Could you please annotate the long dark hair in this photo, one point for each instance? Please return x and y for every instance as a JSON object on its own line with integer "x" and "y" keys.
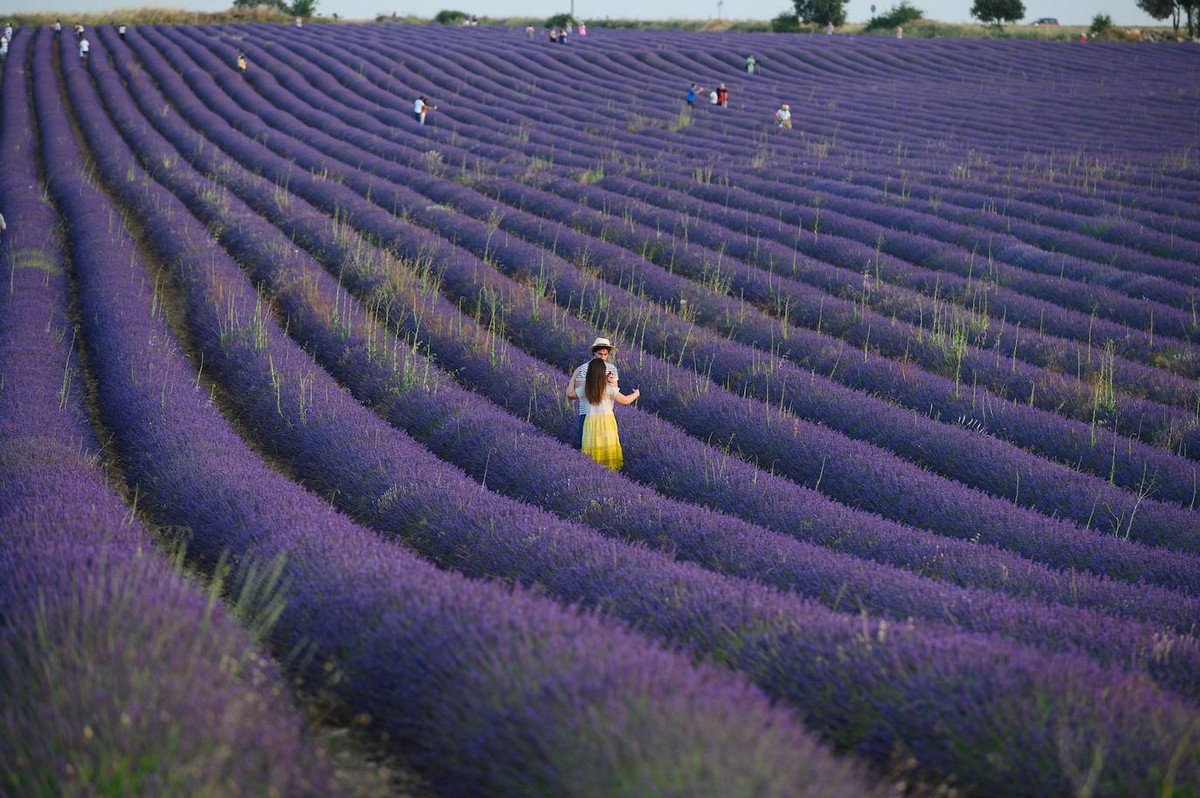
{"x": 596, "y": 382}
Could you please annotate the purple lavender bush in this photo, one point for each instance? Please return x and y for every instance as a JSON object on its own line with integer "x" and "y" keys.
{"x": 119, "y": 674}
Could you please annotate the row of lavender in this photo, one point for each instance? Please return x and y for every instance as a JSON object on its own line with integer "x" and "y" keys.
{"x": 495, "y": 690}
{"x": 328, "y": 438}
{"x": 113, "y": 666}
{"x": 486, "y": 241}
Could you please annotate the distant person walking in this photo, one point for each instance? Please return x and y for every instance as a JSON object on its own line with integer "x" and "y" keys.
{"x": 602, "y": 348}
{"x": 121, "y": 31}
{"x": 57, "y": 28}
{"x": 692, "y": 91}
{"x": 899, "y": 31}
{"x": 242, "y": 63}
{"x": 829, "y": 28}
{"x": 421, "y": 107}
{"x": 85, "y": 47}
{"x": 783, "y": 117}
{"x": 751, "y": 64}
{"x": 601, "y": 442}
{"x": 583, "y": 29}
{"x": 722, "y": 96}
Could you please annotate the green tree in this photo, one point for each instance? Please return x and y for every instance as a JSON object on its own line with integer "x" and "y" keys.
{"x": 1174, "y": 9}
{"x": 785, "y": 22}
{"x": 821, "y": 12}
{"x": 902, "y": 14}
{"x": 997, "y": 12}
{"x": 450, "y": 17}
{"x": 304, "y": 8}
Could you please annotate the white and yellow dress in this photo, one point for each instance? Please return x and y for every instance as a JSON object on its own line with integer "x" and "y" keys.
{"x": 600, "y": 439}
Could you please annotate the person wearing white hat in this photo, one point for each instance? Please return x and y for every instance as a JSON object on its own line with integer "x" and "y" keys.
{"x": 603, "y": 349}
{"x": 783, "y": 117}
{"x": 601, "y": 441}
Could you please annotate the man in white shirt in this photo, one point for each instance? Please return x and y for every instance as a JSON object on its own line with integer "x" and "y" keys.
{"x": 601, "y": 348}
{"x": 421, "y": 107}
{"x": 84, "y": 48}
{"x": 783, "y": 117}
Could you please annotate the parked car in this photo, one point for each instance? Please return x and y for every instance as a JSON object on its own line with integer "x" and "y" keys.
{"x": 1045, "y": 21}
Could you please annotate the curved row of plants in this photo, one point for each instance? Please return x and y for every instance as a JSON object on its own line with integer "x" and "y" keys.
{"x": 113, "y": 665}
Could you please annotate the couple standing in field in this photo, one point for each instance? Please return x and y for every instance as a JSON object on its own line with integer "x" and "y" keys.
{"x": 594, "y": 385}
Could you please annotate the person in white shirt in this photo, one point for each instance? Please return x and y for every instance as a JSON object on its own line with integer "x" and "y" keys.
{"x": 783, "y": 117}
{"x": 601, "y": 442}
{"x": 601, "y": 348}
{"x": 421, "y": 107}
{"x": 84, "y": 48}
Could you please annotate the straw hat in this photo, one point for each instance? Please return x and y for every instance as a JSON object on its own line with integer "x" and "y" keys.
{"x": 602, "y": 343}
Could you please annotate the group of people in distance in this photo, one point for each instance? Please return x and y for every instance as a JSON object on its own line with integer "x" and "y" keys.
{"x": 595, "y": 387}
{"x": 720, "y": 97}
{"x": 557, "y": 34}
{"x": 85, "y": 46}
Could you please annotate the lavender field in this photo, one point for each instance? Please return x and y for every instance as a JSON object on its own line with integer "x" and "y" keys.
{"x": 911, "y": 497}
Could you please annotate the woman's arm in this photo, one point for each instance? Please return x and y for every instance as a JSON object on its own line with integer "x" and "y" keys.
{"x": 627, "y": 399}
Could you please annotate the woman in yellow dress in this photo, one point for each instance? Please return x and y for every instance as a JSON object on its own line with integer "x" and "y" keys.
{"x": 600, "y": 391}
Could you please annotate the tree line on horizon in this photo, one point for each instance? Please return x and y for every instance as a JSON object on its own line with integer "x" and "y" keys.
{"x": 988, "y": 12}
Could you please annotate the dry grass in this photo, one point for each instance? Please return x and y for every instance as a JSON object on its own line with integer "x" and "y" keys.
{"x": 150, "y": 16}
